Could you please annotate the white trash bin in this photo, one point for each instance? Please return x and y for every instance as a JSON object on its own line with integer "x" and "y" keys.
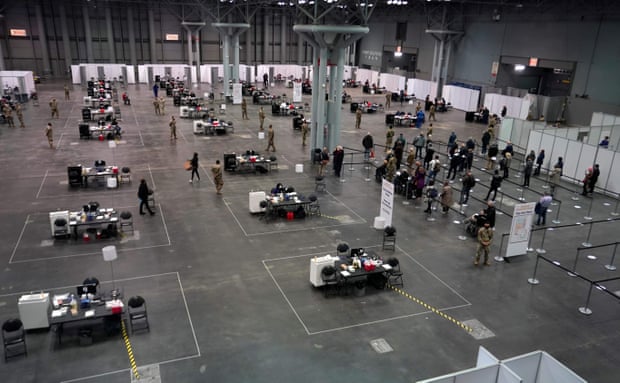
{"x": 299, "y": 168}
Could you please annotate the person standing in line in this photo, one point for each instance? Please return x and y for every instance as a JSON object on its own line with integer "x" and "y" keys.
{"x": 446, "y": 197}
{"x": 398, "y": 153}
{"x": 431, "y": 196}
{"x": 265, "y": 80}
{"x": 496, "y": 183}
{"x": 143, "y": 195}
{"x": 418, "y": 143}
{"x": 586, "y": 181}
{"x": 485, "y": 238}
{"x": 67, "y": 93}
{"x": 261, "y": 118}
{"x": 162, "y": 105}
{"x": 410, "y": 158}
{"x": 542, "y": 206}
{"x": 20, "y": 115}
{"x": 596, "y": 172}
{"x": 492, "y": 156}
{"x": 244, "y": 109}
{"x": 368, "y": 144}
{"x": 49, "y": 133}
{"x": 451, "y": 140}
{"x": 54, "y": 108}
{"x": 270, "y": 139}
{"x": 173, "y": 128}
{"x": 527, "y": 173}
{"x": 429, "y": 155}
{"x": 504, "y": 111}
{"x": 218, "y": 177}
{"x": 390, "y": 169}
{"x": 155, "y": 90}
{"x": 358, "y": 118}
{"x": 324, "y": 161}
{"x": 304, "y": 132}
{"x": 338, "y": 160}
{"x": 389, "y": 135}
{"x": 539, "y": 161}
{"x": 486, "y": 139}
{"x": 468, "y": 183}
{"x": 435, "y": 167}
{"x": 455, "y": 161}
{"x": 401, "y": 97}
{"x": 504, "y": 164}
{"x": 388, "y": 100}
{"x": 194, "y": 163}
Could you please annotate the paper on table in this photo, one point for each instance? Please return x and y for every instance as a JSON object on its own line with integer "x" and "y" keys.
{"x": 345, "y": 273}
{"x": 386, "y": 266}
{"x": 89, "y": 313}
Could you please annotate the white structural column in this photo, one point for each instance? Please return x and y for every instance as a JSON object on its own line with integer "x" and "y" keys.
{"x": 329, "y": 43}
{"x": 193, "y": 34}
{"x": 266, "y": 56}
{"x": 88, "y": 38}
{"x": 45, "y": 56}
{"x": 283, "y": 31}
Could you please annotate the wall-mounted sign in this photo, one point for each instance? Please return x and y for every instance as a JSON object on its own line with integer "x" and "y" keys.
{"x": 494, "y": 68}
{"x": 172, "y": 37}
{"x": 533, "y": 61}
{"x": 371, "y": 55}
{"x": 18, "y": 32}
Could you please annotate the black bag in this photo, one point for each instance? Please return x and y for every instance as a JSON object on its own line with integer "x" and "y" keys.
{"x": 538, "y": 208}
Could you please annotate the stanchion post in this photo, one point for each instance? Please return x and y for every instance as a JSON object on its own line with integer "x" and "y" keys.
{"x": 367, "y": 167}
{"x": 541, "y": 249}
{"x": 611, "y": 266}
{"x": 351, "y": 168}
{"x": 499, "y": 257}
{"x": 585, "y": 310}
{"x": 522, "y": 193}
{"x": 556, "y": 221}
{"x": 587, "y": 241}
{"x": 406, "y": 201}
{"x": 575, "y": 193}
{"x": 615, "y": 212}
{"x": 572, "y": 274}
{"x": 589, "y": 215}
{"x": 533, "y": 280}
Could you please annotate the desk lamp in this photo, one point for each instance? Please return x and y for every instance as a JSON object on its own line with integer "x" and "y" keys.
{"x": 109, "y": 255}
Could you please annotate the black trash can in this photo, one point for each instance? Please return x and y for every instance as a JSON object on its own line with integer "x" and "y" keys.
{"x": 389, "y": 119}
{"x": 157, "y": 78}
{"x": 469, "y": 116}
{"x": 86, "y": 116}
{"x": 354, "y": 106}
{"x": 297, "y": 122}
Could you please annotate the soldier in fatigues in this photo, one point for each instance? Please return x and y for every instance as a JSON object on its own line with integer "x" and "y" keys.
{"x": 216, "y": 170}
{"x": 270, "y": 139}
{"x": 388, "y": 138}
{"x": 485, "y": 237}
{"x": 244, "y": 110}
{"x": 54, "y": 107}
{"x": 304, "y": 132}
{"x": 261, "y": 117}
{"x": 173, "y": 128}
{"x": 358, "y": 118}
{"x": 20, "y": 115}
{"x": 49, "y": 133}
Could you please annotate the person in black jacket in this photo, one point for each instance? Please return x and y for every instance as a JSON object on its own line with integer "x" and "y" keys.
{"x": 338, "y": 159}
{"x": 143, "y": 195}
{"x": 367, "y": 143}
{"x": 194, "y": 162}
{"x": 496, "y": 182}
{"x": 468, "y": 183}
{"x": 527, "y": 172}
{"x": 486, "y": 139}
{"x": 489, "y": 213}
{"x": 492, "y": 156}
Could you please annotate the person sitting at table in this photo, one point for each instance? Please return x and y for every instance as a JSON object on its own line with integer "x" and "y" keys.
{"x": 116, "y": 128}
{"x": 279, "y": 188}
{"x": 100, "y": 165}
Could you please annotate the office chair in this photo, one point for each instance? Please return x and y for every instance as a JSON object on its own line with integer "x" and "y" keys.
{"x": 314, "y": 208}
{"x": 343, "y": 249}
{"x": 91, "y": 281}
{"x": 331, "y": 281}
{"x": 14, "y": 339}
{"x": 389, "y": 238}
{"x": 126, "y": 221}
{"x": 273, "y": 162}
{"x": 138, "y": 318}
{"x": 125, "y": 175}
{"x": 394, "y": 275}
{"x": 320, "y": 184}
{"x": 61, "y": 228}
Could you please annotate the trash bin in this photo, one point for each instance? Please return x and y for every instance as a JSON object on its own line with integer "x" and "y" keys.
{"x": 359, "y": 288}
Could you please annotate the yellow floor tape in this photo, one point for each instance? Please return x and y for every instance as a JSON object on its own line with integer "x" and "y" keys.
{"x": 132, "y": 360}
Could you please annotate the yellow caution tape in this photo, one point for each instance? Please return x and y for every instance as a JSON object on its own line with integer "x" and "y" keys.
{"x": 132, "y": 360}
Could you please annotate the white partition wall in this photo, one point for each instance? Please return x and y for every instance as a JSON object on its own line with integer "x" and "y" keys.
{"x": 392, "y": 82}
{"x": 421, "y": 88}
{"x": 535, "y": 367}
{"x": 279, "y": 69}
{"x": 110, "y": 71}
{"x": 24, "y": 80}
{"x": 176, "y": 71}
{"x": 364, "y": 75}
{"x": 461, "y": 98}
{"x": 514, "y": 105}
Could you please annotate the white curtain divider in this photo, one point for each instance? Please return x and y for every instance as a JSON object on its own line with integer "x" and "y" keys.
{"x": 461, "y": 98}
{"x": 364, "y": 75}
{"x": 392, "y": 82}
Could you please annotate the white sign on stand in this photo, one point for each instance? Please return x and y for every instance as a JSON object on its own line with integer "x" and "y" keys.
{"x": 387, "y": 202}
{"x": 296, "y": 92}
{"x": 520, "y": 229}
{"x": 237, "y": 96}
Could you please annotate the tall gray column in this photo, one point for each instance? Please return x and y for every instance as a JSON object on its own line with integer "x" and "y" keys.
{"x": 110, "y": 33}
{"x": 197, "y": 53}
{"x": 248, "y": 47}
{"x": 266, "y": 29}
{"x": 190, "y": 53}
{"x": 152, "y": 39}
{"x": 88, "y": 37}
{"x": 335, "y": 110}
{"x": 45, "y": 56}
{"x": 66, "y": 41}
{"x": 283, "y": 50}
{"x": 131, "y": 36}
{"x": 235, "y": 73}
{"x": 300, "y": 49}
{"x": 2, "y": 66}
{"x": 229, "y": 32}
{"x": 226, "y": 64}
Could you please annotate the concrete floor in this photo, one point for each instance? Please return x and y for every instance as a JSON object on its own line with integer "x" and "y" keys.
{"x": 228, "y": 295}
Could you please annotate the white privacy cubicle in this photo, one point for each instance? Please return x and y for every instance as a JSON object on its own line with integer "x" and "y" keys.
{"x": 392, "y": 82}
{"x": 534, "y": 367}
{"x": 97, "y": 71}
{"x": 363, "y": 75}
{"x": 461, "y": 98}
{"x": 24, "y": 80}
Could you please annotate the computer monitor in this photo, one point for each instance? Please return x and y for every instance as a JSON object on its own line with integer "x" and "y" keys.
{"x": 357, "y": 252}
{"x": 87, "y": 289}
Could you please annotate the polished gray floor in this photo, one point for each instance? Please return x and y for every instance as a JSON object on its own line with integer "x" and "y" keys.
{"x": 228, "y": 294}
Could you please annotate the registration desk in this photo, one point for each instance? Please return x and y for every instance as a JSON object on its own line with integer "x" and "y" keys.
{"x": 353, "y": 273}
{"x": 288, "y": 205}
{"x": 100, "y": 219}
{"x": 254, "y": 163}
{"x": 104, "y": 176}
{"x": 213, "y": 127}
{"x": 84, "y": 314}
